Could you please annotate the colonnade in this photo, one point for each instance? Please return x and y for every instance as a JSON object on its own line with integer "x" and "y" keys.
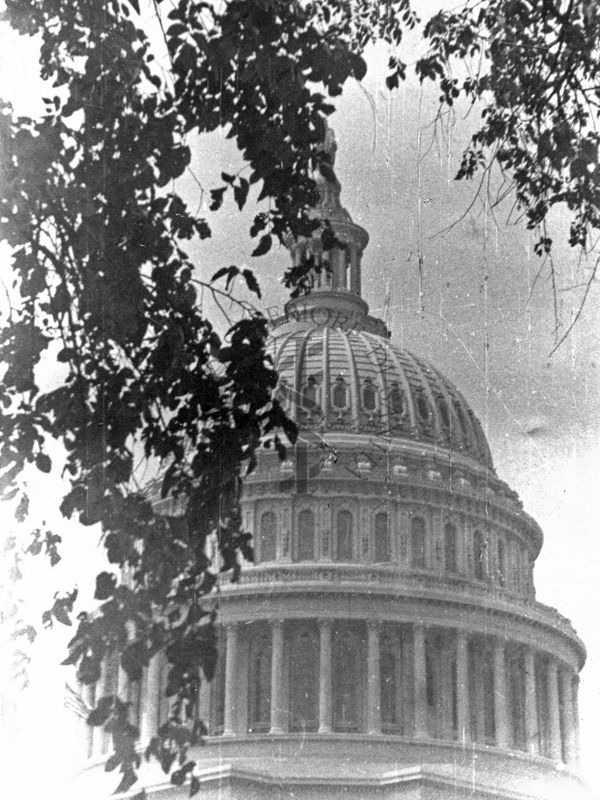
{"x": 462, "y": 696}
{"x": 548, "y": 711}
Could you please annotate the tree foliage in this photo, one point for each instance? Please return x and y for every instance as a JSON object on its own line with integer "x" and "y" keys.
{"x": 532, "y": 70}
{"x": 106, "y": 287}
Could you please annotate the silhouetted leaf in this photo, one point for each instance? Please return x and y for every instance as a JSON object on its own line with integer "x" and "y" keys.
{"x": 264, "y": 245}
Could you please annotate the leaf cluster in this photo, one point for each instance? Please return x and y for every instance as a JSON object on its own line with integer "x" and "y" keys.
{"x": 532, "y": 68}
{"x": 103, "y": 284}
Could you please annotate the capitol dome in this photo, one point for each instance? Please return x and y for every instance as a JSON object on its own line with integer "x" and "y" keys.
{"x": 356, "y": 380}
{"x": 387, "y": 642}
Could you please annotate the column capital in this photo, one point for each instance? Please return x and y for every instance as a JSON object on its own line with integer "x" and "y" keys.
{"x": 276, "y": 624}
{"x": 324, "y": 622}
{"x": 374, "y": 625}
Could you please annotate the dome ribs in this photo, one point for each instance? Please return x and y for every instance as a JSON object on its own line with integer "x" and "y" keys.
{"x": 397, "y": 357}
{"x": 326, "y": 392}
{"x": 354, "y": 381}
{"x": 379, "y": 375}
{"x": 357, "y": 380}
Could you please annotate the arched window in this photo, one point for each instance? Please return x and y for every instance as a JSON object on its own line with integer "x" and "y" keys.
{"x": 478, "y": 556}
{"x": 344, "y": 550}
{"x": 462, "y": 421}
{"x": 259, "y": 683}
{"x": 382, "y": 537}
{"x": 347, "y": 689}
{"x": 396, "y": 399}
{"x": 501, "y": 562}
{"x": 450, "y": 553}
{"x": 268, "y": 537}
{"x": 306, "y": 536}
{"x": 389, "y": 669}
{"x": 311, "y": 390}
{"x": 417, "y": 542}
{"x": 304, "y": 681}
{"x": 283, "y": 393}
{"x": 339, "y": 394}
{"x": 369, "y": 395}
{"x": 443, "y": 411}
{"x": 423, "y": 407}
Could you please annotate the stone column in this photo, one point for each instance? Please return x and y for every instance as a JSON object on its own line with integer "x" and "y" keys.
{"x": 150, "y": 701}
{"x": 447, "y": 688}
{"x": 419, "y": 682}
{"x": 373, "y": 678}
{"x": 98, "y": 731}
{"x": 531, "y": 723}
{"x": 229, "y": 727}
{"x": 89, "y": 696}
{"x": 575, "y": 695}
{"x": 500, "y": 696}
{"x": 277, "y": 703}
{"x": 325, "y": 684}
{"x": 479, "y": 695}
{"x": 555, "y": 743}
{"x": 462, "y": 688}
{"x": 204, "y": 704}
{"x": 566, "y": 691}
{"x": 354, "y": 270}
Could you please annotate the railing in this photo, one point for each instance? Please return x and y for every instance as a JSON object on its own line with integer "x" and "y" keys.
{"x": 396, "y": 579}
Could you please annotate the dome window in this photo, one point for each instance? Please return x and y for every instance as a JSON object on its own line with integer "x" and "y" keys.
{"x": 310, "y": 395}
{"x": 478, "y": 556}
{"x": 339, "y": 396}
{"x": 344, "y": 550}
{"x": 268, "y": 537}
{"x": 382, "y": 537}
{"x": 396, "y": 399}
{"x": 450, "y": 551}
{"x": 501, "y": 563}
{"x": 423, "y": 407}
{"x": 369, "y": 395}
{"x": 443, "y": 409}
{"x": 417, "y": 542}
{"x": 306, "y": 536}
{"x": 283, "y": 394}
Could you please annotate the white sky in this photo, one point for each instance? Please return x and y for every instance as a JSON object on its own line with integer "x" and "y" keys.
{"x": 540, "y": 412}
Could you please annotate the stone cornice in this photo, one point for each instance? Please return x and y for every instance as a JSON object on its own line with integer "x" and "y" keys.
{"x": 388, "y": 584}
